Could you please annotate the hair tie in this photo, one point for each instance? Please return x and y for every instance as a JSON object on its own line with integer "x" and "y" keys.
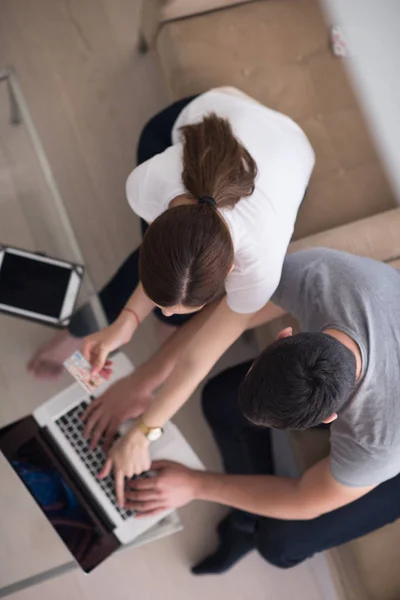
{"x": 208, "y": 200}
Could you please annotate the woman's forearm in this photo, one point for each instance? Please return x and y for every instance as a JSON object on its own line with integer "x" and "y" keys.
{"x": 191, "y": 352}
{"x": 138, "y": 307}
{"x": 220, "y": 329}
{"x": 140, "y": 303}
{"x": 159, "y": 366}
{"x": 176, "y": 390}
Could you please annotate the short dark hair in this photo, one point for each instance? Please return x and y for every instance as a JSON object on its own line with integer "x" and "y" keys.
{"x": 298, "y": 382}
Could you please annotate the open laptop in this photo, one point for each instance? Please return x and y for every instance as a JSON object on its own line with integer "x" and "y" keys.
{"x": 51, "y": 456}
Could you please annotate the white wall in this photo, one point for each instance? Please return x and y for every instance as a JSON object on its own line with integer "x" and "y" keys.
{"x": 372, "y": 30}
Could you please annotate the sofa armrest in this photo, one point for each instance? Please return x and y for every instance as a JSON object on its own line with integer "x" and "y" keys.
{"x": 156, "y": 12}
{"x": 376, "y": 237}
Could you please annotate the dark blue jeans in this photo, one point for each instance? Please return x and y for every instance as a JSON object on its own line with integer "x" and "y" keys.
{"x": 247, "y": 450}
{"x": 154, "y": 139}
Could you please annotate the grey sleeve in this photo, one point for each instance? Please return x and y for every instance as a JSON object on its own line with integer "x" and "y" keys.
{"x": 287, "y": 293}
{"x": 356, "y": 465}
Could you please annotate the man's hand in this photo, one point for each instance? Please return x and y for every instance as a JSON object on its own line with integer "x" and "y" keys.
{"x": 172, "y": 486}
{"x": 126, "y": 399}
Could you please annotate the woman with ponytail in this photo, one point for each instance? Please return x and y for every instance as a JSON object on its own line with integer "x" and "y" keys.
{"x": 218, "y": 186}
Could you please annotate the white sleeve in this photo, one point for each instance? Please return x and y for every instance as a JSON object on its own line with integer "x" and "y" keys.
{"x": 138, "y": 194}
{"x": 153, "y": 184}
{"x": 255, "y": 277}
{"x": 244, "y": 297}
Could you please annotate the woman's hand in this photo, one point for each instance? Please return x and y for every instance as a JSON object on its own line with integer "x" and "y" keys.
{"x": 127, "y": 399}
{"x": 96, "y": 347}
{"x": 128, "y": 457}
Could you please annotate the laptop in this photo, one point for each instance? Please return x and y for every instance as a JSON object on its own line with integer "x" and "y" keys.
{"x": 50, "y": 455}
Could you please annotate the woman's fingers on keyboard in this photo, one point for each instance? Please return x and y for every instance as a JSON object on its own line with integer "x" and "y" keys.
{"x": 91, "y": 421}
{"x": 106, "y": 470}
{"x": 92, "y": 406}
{"x": 98, "y": 431}
{"x": 109, "y": 436}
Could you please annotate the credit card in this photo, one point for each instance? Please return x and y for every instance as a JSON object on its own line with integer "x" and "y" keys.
{"x": 80, "y": 368}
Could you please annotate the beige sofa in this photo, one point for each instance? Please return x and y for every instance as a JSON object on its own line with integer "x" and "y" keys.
{"x": 278, "y": 51}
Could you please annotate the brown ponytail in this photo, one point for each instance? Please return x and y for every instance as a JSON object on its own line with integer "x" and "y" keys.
{"x": 215, "y": 163}
{"x": 187, "y": 252}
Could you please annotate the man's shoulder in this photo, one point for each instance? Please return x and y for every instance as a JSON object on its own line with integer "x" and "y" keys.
{"x": 370, "y": 420}
{"x": 322, "y": 255}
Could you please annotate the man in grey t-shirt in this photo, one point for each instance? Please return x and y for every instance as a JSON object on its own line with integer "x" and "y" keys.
{"x": 343, "y": 370}
{"x": 327, "y": 290}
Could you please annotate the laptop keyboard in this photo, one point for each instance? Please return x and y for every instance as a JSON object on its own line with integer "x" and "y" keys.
{"x": 72, "y": 427}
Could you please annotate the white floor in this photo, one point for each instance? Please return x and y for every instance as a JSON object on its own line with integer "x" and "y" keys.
{"x": 90, "y": 92}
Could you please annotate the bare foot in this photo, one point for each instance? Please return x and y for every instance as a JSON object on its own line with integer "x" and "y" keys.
{"x": 47, "y": 363}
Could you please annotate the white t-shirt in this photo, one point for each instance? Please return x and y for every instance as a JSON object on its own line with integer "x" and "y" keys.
{"x": 262, "y": 224}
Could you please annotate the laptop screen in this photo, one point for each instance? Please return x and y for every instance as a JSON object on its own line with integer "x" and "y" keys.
{"x": 57, "y": 500}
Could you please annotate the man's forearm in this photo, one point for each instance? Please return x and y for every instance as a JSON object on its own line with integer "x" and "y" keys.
{"x": 264, "y": 495}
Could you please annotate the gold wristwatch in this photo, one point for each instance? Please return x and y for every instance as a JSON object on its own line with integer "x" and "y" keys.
{"x": 152, "y": 433}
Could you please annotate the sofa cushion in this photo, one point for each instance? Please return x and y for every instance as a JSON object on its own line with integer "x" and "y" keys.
{"x": 278, "y": 52}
